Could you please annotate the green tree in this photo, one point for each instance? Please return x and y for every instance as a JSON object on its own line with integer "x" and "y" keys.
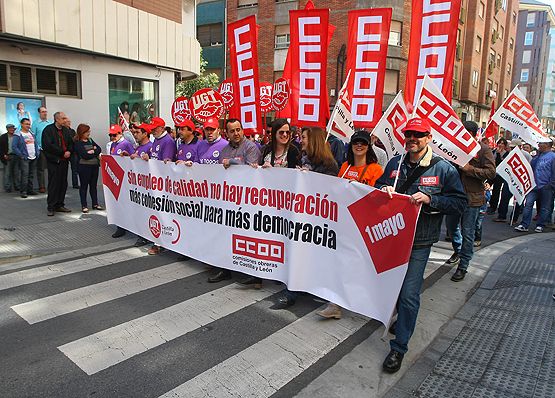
{"x": 187, "y": 88}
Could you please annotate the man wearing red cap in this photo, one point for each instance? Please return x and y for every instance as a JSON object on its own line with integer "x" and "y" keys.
{"x": 188, "y": 149}
{"x": 163, "y": 147}
{"x": 210, "y": 148}
{"x": 433, "y": 183}
{"x": 141, "y": 134}
{"x": 120, "y": 147}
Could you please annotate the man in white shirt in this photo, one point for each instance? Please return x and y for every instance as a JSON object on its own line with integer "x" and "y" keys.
{"x": 26, "y": 147}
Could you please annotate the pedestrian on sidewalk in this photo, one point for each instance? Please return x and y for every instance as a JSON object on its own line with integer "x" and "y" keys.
{"x": 443, "y": 193}
{"x": 37, "y": 128}
{"x": 497, "y": 182}
{"x": 88, "y": 159}
{"x": 543, "y": 166}
{"x": 26, "y": 148}
{"x": 462, "y": 228}
{"x": 57, "y": 146}
{"x": 10, "y": 160}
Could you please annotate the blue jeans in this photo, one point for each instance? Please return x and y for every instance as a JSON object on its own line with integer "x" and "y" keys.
{"x": 27, "y": 168}
{"x": 545, "y": 195}
{"x": 480, "y": 219}
{"x": 408, "y": 303}
{"x": 462, "y": 230}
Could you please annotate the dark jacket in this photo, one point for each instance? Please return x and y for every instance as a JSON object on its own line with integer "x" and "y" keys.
{"x": 321, "y": 168}
{"x": 337, "y": 148}
{"x": 52, "y": 145}
{"x": 445, "y": 191}
{"x": 20, "y": 147}
{"x": 293, "y": 156}
{"x": 3, "y": 147}
{"x": 81, "y": 149}
{"x": 478, "y": 170}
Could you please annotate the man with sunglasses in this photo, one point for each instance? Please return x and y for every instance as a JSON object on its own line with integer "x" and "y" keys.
{"x": 209, "y": 149}
{"x": 433, "y": 183}
{"x": 120, "y": 146}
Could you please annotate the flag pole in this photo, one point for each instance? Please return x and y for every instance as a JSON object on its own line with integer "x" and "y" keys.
{"x": 399, "y": 169}
{"x": 514, "y": 211}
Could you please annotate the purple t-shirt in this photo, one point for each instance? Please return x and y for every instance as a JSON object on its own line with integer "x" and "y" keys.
{"x": 209, "y": 153}
{"x": 123, "y": 145}
{"x": 163, "y": 148}
{"x": 188, "y": 151}
{"x": 145, "y": 148}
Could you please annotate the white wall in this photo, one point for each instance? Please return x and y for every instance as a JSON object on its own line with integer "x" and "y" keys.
{"x": 92, "y": 108}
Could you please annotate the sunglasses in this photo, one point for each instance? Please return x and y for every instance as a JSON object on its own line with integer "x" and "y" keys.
{"x": 360, "y": 143}
{"x": 416, "y": 134}
{"x": 284, "y": 132}
{"x": 112, "y": 135}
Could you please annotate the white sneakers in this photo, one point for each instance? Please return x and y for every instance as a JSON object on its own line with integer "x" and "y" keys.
{"x": 521, "y": 228}
{"x": 538, "y": 229}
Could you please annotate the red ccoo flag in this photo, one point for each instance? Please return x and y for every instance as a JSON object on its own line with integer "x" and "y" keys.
{"x": 492, "y": 128}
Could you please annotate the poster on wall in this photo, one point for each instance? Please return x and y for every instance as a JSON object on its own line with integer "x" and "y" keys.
{"x": 13, "y": 109}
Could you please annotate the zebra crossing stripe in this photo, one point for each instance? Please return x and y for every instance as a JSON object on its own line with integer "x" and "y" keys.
{"x": 88, "y": 296}
{"x": 114, "y": 345}
{"x": 263, "y": 368}
{"x": 46, "y": 272}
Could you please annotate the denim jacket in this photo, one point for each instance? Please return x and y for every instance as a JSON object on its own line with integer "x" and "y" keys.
{"x": 441, "y": 183}
{"x": 20, "y": 147}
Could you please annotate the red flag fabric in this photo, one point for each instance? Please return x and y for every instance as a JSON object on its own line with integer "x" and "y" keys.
{"x": 492, "y": 127}
{"x": 308, "y": 55}
{"x": 243, "y": 54}
{"x": 366, "y": 62}
{"x": 433, "y": 42}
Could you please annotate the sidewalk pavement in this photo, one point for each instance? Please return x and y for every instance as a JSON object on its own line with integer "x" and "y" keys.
{"x": 502, "y": 342}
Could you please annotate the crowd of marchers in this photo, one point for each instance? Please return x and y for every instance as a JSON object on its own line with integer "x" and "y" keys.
{"x": 464, "y": 195}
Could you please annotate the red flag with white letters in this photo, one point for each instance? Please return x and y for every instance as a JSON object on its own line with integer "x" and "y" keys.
{"x": 308, "y": 53}
{"x": 433, "y": 43}
{"x": 243, "y": 54}
{"x": 492, "y": 128}
{"x": 366, "y": 62}
{"x": 449, "y": 137}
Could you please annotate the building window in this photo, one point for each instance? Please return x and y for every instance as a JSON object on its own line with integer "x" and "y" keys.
{"x": 39, "y": 80}
{"x": 391, "y": 85}
{"x": 524, "y": 73}
{"x": 505, "y": 94}
{"x": 282, "y": 37}
{"x": 511, "y": 43}
{"x": 504, "y": 5}
{"x": 530, "y": 19}
{"x": 481, "y": 10}
{"x": 247, "y": 3}
{"x": 526, "y": 56}
{"x": 502, "y": 33}
{"x": 136, "y": 98}
{"x": 498, "y": 60}
{"x": 210, "y": 35}
{"x": 514, "y": 16}
{"x": 475, "y": 77}
{"x": 395, "y": 33}
{"x": 478, "y": 44}
{"x": 509, "y": 69}
{"x": 528, "y": 38}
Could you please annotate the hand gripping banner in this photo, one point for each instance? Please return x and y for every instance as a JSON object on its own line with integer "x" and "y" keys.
{"x": 518, "y": 174}
{"x": 243, "y": 55}
{"x": 449, "y": 137}
{"x": 311, "y": 231}
{"x": 366, "y": 62}
{"x": 433, "y": 43}
{"x": 308, "y": 53}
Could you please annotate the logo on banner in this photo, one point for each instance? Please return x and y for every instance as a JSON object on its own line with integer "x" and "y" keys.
{"x": 112, "y": 175}
{"x": 260, "y": 249}
{"x": 266, "y": 96}
{"x": 157, "y": 229}
{"x": 525, "y": 113}
{"x": 226, "y": 90}
{"x": 205, "y": 104}
{"x": 388, "y": 228}
{"x": 180, "y": 110}
{"x": 280, "y": 95}
{"x": 520, "y": 172}
{"x": 389, "y": 128}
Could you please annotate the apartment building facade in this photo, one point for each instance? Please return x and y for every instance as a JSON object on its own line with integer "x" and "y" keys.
{"x": 548, "y": 109}
{"x": 89, "y": 57}
{"x": 211, "y": 34}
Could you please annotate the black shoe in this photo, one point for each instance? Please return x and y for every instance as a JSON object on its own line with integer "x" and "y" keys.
{"x": 76, "y": 187}
{"x": 50, "y": 213}
{"x": 458, "y": 275}
{"x": 140, "y": 242}
{"x": 491, "y": 211}
{"x": 63, "y": 210}
{"x": 119, "y": 233}
{"x": 32, "y": 193}
{"x": 283, "y": 302}
{"x": 222, "y": 275}
{"x": 251, "y": 280}
{"x": 392, "y": 328}
{"x": 454, "y": 259}
{"x": 392, "y": 362}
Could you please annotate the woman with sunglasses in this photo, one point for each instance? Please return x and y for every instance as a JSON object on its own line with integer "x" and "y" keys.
{"x": 362, "y": 166}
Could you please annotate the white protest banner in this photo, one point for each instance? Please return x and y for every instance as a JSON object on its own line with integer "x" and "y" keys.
{"x": 341, "y": 120}
{"x": 516, "y": 115}
{"x": 518, "y": 174}
{"x": 449, "y": 137}
{"x": 389, "y": 128}
{"x": 311, "y": 231}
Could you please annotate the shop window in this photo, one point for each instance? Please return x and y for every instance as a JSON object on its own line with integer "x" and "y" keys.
{"x": 39, "y": 80}
{"x": 46, "y": 81}
{"x": 136, "y": 98}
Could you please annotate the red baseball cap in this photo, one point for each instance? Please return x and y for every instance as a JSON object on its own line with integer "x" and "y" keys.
{"x": 418, "y": 124}
{"x": 157, "y": 122}
{"x": 115, "y": 129}
{"x": 186, "y": 123}
{"x": 145, "y": 127}
{"x": 212, "y": 123}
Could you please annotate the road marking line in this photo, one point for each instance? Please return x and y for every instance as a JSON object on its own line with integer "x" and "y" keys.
{"x": 74, "y": 300}
{"x": 263, "y": 368}
{"x": 46, "y": 272}
{"x": 114, "y": 345}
